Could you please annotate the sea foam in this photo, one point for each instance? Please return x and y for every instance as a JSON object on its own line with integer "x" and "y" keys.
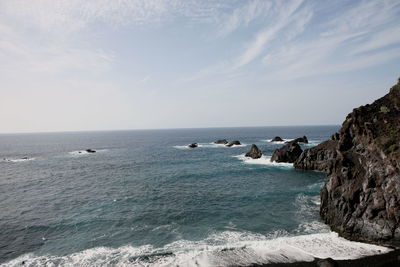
{"x": 264, "y": 160}
{"x": 224, "y": 249}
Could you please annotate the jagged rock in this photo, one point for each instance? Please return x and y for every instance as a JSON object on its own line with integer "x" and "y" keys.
{"x": 234, "y": 143}
{"x": 319, "y": 158}
{"x": 361, "y": 198}
{"x": 90, "y": 151}
{"x": 288, "y": 153}
{"x": 254, "y": 152}
{"x": 299, "y": 140}
{"x": 194, "y": 145}
{"x": 277, "y": 139}
{"x": 221, "y": 142}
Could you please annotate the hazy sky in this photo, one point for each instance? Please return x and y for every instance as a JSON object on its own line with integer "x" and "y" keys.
{"x": 119, "y": 64}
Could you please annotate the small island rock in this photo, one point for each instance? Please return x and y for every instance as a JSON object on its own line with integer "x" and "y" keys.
{"x": 277, "y": 139}
{"x": 90, "y": 151}
{"x": 194, "y": 145}
{"x": 288, "y": 153}
{"x": 233, "y": 143}
{"x": 221, "y": 142}
{"x": 254, "y": 153}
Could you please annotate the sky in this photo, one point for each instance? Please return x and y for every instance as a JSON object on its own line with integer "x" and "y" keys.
{"x": 71, "y": 65}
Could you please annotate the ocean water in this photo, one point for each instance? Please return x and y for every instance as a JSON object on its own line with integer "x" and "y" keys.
{"x": 145, "y": 199}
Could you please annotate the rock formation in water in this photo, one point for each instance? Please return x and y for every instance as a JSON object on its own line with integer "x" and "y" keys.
{"x": 193, "y": 145}
{"x": 233, "y": 143}
{"x": 90, "y": 151}
{"x": 319, "y": 158}
{"x": 221, "y": 142}
{"x": 277, "y": 139}
{"x": 361, "y": 197}
{"x": 254, "y": 152}
{"x": 288, "y": 153}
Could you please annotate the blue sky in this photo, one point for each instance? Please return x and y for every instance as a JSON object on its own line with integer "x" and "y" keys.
{"x": 142, "y": 64}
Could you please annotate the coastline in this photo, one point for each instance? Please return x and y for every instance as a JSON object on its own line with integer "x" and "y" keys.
{"x": 390, "y": 259}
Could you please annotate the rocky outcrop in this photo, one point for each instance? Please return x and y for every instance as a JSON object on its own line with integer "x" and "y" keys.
{"x": 90, "y": 150}
{"x": 193, "y": 145}
{"x": 361, "y": 198}
{"x": 288, "y": 153}
{"x": 221, "y": 142}
{"x": 254, "y": 152}
{"x": 233, "y": 143}
{"x": 276, "y": 139}
{"x": 299, "y": 140}
{"x": 318, "y": 158}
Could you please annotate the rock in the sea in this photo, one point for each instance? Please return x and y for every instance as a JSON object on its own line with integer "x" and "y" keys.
{"x": 299, "y": 140}
{"x": 277, "y": 139}
{"x": 254, "y": 152}
{"x": 221, "y": 142}
{"x": 361, "y": 198}
{"x": 234, "y": 143}
{"x": 288, "y": 153}
{"x": 193, "y": 145}
{"x": 90, "y": 151}
{"x": 319, "y": 158}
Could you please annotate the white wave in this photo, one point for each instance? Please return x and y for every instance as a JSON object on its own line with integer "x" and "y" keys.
{"x": 17, "y": 160}
{"x": 224, "y": 249}
{"x": 264, "y": 160}
{"x": 277, "y": 142}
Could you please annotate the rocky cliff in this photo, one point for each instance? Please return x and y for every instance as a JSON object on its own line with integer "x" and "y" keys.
{"x": 361, "y": 198}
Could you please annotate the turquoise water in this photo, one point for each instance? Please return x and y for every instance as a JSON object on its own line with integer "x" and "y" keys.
{"x": 144, "y": 198}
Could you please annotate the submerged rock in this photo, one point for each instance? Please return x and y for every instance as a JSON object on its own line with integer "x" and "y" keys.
{"x": 234, "y": 143}
{"x": 288, "y": 153}
{"x": 193, "y": 145}
{"x": 361, "y": 198}
{"x": 221, "y": 142}
{"x": 277, "y": 139}
{"x": 254, "y": 152}
{"x": 90, "y": 151}
{"x": 319, "y": 158}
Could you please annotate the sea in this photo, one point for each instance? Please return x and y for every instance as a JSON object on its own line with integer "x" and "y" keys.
{"x": 145, "y": 199}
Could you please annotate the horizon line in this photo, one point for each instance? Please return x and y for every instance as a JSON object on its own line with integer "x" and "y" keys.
{"x": 156, "y": 129}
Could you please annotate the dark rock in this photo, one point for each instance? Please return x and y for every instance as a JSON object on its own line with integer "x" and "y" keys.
{"x": 277, "y": 139}
{"x": 194, "y": 145}
{"x": 254, "y": 152}
{"x": 327, "y": 263}
{"x": 90, "y": 151}
{"x": 319, "y": 158}
{"x": 361, "y": 198}
{"x": 24, "y": 158}
{"x": 335, "y": 136}
{"x": 221, "y": 142}
{"x": 288, "y": 153}
{"x": 299, "y": 140}
{"x": 234, "y": 143}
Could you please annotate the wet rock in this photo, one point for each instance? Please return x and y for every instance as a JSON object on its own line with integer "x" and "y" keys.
{"x": 288, "y": 153}
{"x": 277, "y": 139}
{"x": 221, "y": 142}
{"x": 299, "y": 140}
{"x": 90, "y": 151}
{"x": 233, "y": 143}
{"x": 193, "y": 145}
{"x": 254, "y": 152}
{"x": 319, "y": 158}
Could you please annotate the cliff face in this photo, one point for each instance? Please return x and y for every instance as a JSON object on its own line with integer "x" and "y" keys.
{"x": 361, "y": 198}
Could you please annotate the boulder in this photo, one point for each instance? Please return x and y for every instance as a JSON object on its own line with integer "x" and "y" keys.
{"x": 221, "y": 142}
{"x": 288, "y": 153}
{"x": 90, "y": 151}
{"x": 277, "y": 139}
{"x": 254, "y": 152}
{"x": 233, "y": 143}
{"x": 193, "y": 145}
